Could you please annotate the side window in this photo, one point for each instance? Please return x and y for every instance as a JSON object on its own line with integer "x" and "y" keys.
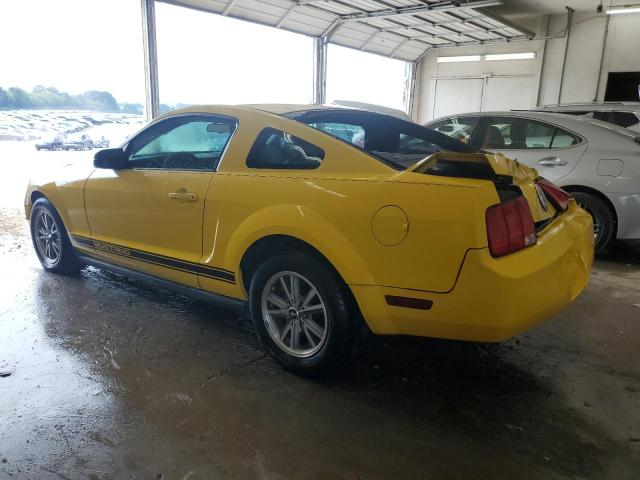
{"x": 523, "y": 134}
{"x": 624, "y": 119}
{"x": 459, "y": 128}
{"x": 562, "y": 138}
{"x": 190, "y": 142}
{"x": 353, "y": 134}
{"x": 277, "y": 149}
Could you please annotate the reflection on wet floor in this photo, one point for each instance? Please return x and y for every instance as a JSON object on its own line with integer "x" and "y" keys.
{"x": 111, "y": 379}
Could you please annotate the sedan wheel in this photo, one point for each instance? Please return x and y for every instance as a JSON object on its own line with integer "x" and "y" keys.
{"x": 603, "y": 220}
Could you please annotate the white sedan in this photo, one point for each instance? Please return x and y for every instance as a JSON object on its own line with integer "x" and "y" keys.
{"x": 599, "y": 163}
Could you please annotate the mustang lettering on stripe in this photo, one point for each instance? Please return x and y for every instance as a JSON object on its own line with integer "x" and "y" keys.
{"x": 155, "y": 259}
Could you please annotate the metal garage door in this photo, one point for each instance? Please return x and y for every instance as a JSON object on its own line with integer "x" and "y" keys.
{"x": 509, "y": 93}
{"x": 464, "y": 95}
{"x": 457, "y": 95}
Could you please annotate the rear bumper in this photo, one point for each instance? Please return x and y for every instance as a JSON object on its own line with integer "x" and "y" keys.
{"x": 494, "y": 299}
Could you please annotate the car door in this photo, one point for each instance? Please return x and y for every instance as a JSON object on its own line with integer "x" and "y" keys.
{"x": 148, "y": 215}
{"x": 551, "y": 149}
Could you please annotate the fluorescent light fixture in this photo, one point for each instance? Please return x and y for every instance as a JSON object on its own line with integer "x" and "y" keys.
{"x": 624, "y": 9}
{"x": 461, "y": 58}
{"x": 497, "y": 56}
{"x": 511, "y": 56}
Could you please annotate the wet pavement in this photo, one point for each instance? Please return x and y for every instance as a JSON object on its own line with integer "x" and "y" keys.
{"x": 102, "y": 377}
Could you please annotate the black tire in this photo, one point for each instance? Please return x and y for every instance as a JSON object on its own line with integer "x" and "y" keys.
{"x": 336, "y": 348}
{"x": 603, "y": 219}
{"x": 67, "y": 261}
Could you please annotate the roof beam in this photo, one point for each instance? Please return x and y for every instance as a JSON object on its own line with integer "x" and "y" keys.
{"x": 416, "y": 28}
{"x": 414, "y": 9}
{"x": 286, "y": 15}
{"x": 368, "y": 40}
{"x": 228, "y": 7}
{"x": 398, "y": 47}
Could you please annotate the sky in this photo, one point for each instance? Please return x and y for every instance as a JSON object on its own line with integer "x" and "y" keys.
{"x": 79, "y": 45}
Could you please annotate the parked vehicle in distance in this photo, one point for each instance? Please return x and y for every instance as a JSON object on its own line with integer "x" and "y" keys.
{"x": 597, "y": 162}
{"x": 49, "y": 144}
{"x": 413, "y": 233}
{"x": 81, "y": 143}
{"x": 102, "y": 142}
{"x": 623, "y": 114}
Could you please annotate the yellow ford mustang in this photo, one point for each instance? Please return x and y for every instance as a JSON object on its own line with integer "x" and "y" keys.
{"x": 324, "y": 220}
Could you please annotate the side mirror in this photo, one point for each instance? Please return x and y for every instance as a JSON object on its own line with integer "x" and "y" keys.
{"x": 110, "y": 158}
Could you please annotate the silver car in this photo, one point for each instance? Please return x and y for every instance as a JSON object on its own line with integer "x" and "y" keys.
{"x": 599, "y": 163}
{"x": 623, "y": 114}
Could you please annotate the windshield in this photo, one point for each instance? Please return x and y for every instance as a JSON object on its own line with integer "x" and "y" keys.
{"x": 396, "y": 142}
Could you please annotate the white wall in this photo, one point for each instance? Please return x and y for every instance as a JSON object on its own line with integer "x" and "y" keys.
{"x": 539, "y": 79}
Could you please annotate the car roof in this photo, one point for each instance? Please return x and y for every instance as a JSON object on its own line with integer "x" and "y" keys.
{"x": 273, "y": 108}
{"x": 284, "y": 108}
{"x": 633, "y": 107}
{"x": 549, "y": 116}
{"x": 592, "y": 106}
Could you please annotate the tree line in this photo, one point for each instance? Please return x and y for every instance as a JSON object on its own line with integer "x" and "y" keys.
{"x": 50, "y": 97}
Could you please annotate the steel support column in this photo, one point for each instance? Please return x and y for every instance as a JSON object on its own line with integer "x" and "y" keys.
{"x": 564, "y": 53}
{"x": 319, "y": 70}
{"x": 411, "y": 71}
{"x": 152, "y": 109}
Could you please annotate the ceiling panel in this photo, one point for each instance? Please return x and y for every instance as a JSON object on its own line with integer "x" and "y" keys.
{"x": 403, "y": 29}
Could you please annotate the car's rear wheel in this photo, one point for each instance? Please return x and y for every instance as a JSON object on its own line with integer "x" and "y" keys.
{"x": 300, "y": 311}
{"x": 603, "y": 221}
{"x": 50, "y": 239}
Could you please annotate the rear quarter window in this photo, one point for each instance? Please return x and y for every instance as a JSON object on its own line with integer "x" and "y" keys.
{"x": 276, "y": 149}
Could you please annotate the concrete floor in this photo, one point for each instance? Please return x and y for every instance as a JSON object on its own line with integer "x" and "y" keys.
{"x": 109, "y": 379}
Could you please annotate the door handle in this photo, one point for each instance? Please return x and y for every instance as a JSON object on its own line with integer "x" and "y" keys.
{"x": 552, "y": 162}
{"x": 183, "y": 195}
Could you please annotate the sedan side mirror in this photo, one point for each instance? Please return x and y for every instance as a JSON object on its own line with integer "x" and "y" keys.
{"x": 110, "y": 158}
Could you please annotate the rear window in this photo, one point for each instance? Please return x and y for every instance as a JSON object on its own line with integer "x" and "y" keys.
{"x": 396, "y": 142}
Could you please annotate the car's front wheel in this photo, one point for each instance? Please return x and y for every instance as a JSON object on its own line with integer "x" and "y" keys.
{"x": 603, "y": 222}
{"x": 301, "y": 313}
{"x": 50, "y": 239}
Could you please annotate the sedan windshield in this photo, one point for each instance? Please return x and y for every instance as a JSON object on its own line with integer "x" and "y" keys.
{"x": 396, "y": 142}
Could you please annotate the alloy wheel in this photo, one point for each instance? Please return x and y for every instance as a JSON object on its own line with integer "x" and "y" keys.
{"x": 47, "y": 237}
{"x": 295, "y": 314}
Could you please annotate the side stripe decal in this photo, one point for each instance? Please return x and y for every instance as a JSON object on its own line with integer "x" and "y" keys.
{"x": 161, "y": 260}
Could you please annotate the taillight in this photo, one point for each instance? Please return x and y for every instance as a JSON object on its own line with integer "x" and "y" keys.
{"x": 510, "y": 227}
{"x": 555, "y": 194}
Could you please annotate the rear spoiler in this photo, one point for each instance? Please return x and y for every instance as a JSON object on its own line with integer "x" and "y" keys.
{"x": 462, "y": 165}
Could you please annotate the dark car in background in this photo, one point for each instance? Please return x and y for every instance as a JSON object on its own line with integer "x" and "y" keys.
{"x": 50, "y": 144}
{"x": 82, "y": 143}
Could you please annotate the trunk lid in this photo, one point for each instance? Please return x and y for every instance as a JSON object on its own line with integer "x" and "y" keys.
{"x": 510, "y": 177}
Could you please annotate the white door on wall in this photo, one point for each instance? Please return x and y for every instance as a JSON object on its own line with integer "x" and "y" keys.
{"x": 509, "y": 93}
{"x": 457, "y": 95}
